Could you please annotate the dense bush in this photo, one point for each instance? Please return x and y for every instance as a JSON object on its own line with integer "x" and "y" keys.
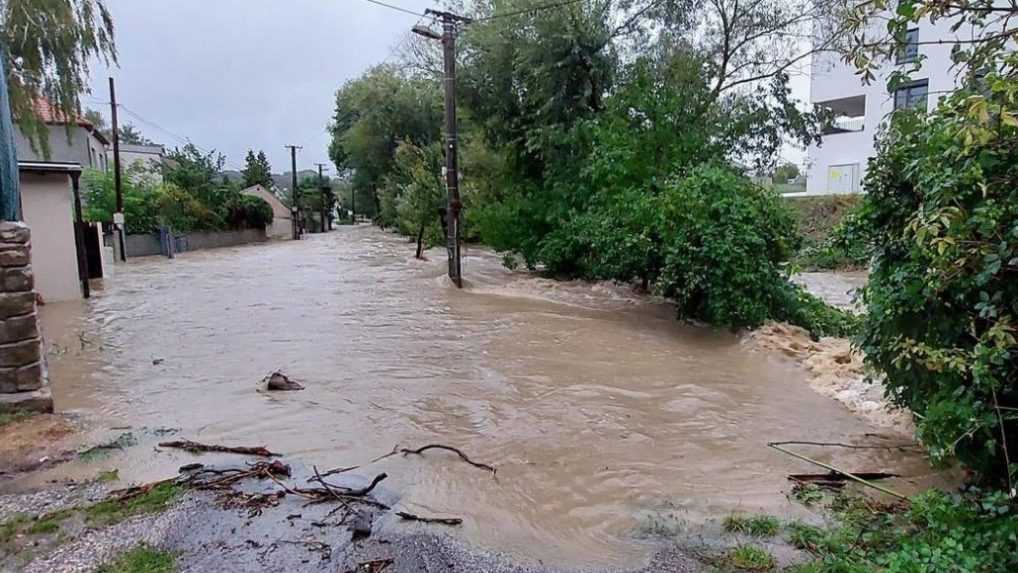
{"x": 943, "y": 293}
{"x": 970, "y": 533}
{"x": 849, "y": 245}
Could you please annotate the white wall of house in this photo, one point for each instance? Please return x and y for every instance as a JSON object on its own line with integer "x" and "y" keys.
{"x": 79, "y": 145}
{"x": 47, "y": 207}
{"x": 838, "y": 164}
{"x": 282, "y": 221}
{"x": 149, "y": 157}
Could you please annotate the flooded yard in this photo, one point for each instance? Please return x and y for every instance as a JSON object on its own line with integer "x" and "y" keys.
{"x": 601, "y": 412}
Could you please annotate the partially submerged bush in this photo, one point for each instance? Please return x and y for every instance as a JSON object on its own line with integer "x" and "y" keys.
{"x": 943, "y": 293}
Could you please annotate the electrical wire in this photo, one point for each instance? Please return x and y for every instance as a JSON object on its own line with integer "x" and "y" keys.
{"x": 394, "y": 7}
{"x": 531, "y": 10}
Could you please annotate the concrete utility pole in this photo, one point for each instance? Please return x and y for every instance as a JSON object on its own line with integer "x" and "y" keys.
{"x": 450, "y": 23}
{"x": 118, "y": 217}
{"x": 294, "y": 193}
{"x": 322, "y": 187}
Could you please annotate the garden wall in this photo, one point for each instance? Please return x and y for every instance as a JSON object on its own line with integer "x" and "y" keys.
{"x": 148, "y": 244}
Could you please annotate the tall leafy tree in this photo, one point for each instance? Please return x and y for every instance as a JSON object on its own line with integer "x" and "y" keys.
{"x": 257, "y": 170}
{"x": 130, "y": 135}
{"x": 48, "y": 46}
{"x": 374, "y": 113}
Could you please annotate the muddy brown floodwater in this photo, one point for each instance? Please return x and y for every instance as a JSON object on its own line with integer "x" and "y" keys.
{"x": 601, "y": 412}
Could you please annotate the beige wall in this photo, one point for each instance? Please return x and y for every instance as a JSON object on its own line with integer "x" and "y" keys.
{"x": 47, "y": 206}
{"x": 282, "y": 223}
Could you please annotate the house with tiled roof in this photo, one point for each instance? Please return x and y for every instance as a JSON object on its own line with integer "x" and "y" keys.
{"x": 76, "y": 141}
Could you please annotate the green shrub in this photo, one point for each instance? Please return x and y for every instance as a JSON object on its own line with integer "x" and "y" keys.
{"x": 943, "y": 293}
{"x": 756, "y": 525}
{"x": 724, "y": 242}
{"x": 141, "y": 559}
{"x": 750, "y": 558}
{"x": 847, "y": 246}
{"x": 972, "y": 533}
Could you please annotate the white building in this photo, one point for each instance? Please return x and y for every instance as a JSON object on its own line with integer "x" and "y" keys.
{"x": 838, "y": 164}
{"x": 148, "y": 157}
{"x": 282, "y": 220}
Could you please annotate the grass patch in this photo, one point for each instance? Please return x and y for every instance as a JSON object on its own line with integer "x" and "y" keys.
{"x": 15, "y": 416}
{"x": 750, "y": 558}
{"x": 755, "y": 525}
{"x": 10, "y": 528}
{"x": 112, "y": 511}
{"x": 972, "y": 532}
{"x": 108, "y": 475}
{"x": 141, "y": 559}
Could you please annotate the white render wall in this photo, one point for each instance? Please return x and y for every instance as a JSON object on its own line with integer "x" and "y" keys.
{"x": 846, "y": 154}
{"x": 47, "y": 207}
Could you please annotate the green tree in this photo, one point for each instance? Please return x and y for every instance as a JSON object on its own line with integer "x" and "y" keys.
{"x": 48, "y": 46}
{"x": 257, "y": 170}
{"x": 130, "y": 135}
{"x": 373, "y": 114}
{"x": 785, "y": 172}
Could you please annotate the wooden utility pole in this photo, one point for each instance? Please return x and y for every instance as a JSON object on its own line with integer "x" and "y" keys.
{"x": 118, "y": 217}
{"x": 450, "y": 24}
{"x": 294, "y": 192}
{"x": 322, "y": 188}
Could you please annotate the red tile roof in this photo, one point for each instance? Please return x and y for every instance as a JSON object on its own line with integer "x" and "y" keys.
{"x": 51, "y": 115}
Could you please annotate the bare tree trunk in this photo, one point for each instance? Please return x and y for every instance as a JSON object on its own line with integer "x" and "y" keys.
{"x": 420, "y": 242}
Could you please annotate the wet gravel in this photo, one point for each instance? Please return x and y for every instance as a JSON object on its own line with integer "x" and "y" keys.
{"x": 205, "y": 537}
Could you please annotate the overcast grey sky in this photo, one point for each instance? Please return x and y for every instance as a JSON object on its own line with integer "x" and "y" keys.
{"x": 234, "y": 75}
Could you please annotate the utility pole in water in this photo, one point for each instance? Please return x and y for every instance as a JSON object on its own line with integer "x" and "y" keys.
{"x": 294, "y": 193}
{"x": 118, "y": 217}
{"x": 322, "y": 187}
{"x": 450, "y": 24}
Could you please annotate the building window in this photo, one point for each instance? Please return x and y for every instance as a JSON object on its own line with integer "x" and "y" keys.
{"x": 912, "y": 96}
{"x": 908, "y": 52}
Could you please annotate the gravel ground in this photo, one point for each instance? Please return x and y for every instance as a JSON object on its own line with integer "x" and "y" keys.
{"x": 207, "y": 538}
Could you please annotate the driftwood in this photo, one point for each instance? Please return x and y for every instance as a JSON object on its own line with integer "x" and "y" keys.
{"x": 899, "y": 447}
{"x": 457, "y": 451}
{"x": 442, "y": 520}
{"x": 839, "y": 477}
{"x": 375, "y": 566}
{"x": 851, "y": 476}
{"x": 195, "y": 447}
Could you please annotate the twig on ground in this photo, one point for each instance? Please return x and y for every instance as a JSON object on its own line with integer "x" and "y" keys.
{"x": 458, "y": 452}
{"x": 195, "y": 447}
{"x": 851, "y": 476}
{"x": 442, "y": 520}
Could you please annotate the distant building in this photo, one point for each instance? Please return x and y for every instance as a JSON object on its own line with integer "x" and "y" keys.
{"x": 78, "y": 142}
{"x": 148, "y": 156}
{"x": 282, "y": 220}
{"x": 838, "y": 165}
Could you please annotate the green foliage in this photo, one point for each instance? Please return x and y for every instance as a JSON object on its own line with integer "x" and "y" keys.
{"x": 14, "y": 416}
{"x": 750, "y": 558}
{"x": 257, "y": 170}
{"x": 942, "y": 204}
{"x": 49, "y": 46}
{"x": 756, "y": 525}
{"x": 113, "y": 510}
{"x": 129, "y": 134}
{"x": 848, "y": 246}
{"x": 374, "y": 113}
{"x": 971, "y": 533}
{"x": 141, "y": 559}
{"x": 785, "y": 172}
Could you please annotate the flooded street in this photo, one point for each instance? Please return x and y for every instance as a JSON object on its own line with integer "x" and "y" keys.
{"x": 600, "y": 411}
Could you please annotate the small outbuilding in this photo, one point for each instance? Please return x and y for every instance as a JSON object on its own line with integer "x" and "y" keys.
{"x": 282, "y": 220}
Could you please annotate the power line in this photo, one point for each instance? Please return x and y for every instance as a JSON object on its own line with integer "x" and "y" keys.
{"x": 394, "y": 7}
{"x": 531, "y": 10}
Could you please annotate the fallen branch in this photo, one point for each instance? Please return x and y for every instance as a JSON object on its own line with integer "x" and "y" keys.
{"x": 899, "y": 447}
{"x": 835, "y": 476}
{"x": 462, "y": 456}
{"x": 442, "y": 520}
{"x": 850, "y": 476}
{"x": 195, "y": 448}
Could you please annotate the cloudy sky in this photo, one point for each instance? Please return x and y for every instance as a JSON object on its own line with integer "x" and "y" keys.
{"x": 234, "y": 75}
